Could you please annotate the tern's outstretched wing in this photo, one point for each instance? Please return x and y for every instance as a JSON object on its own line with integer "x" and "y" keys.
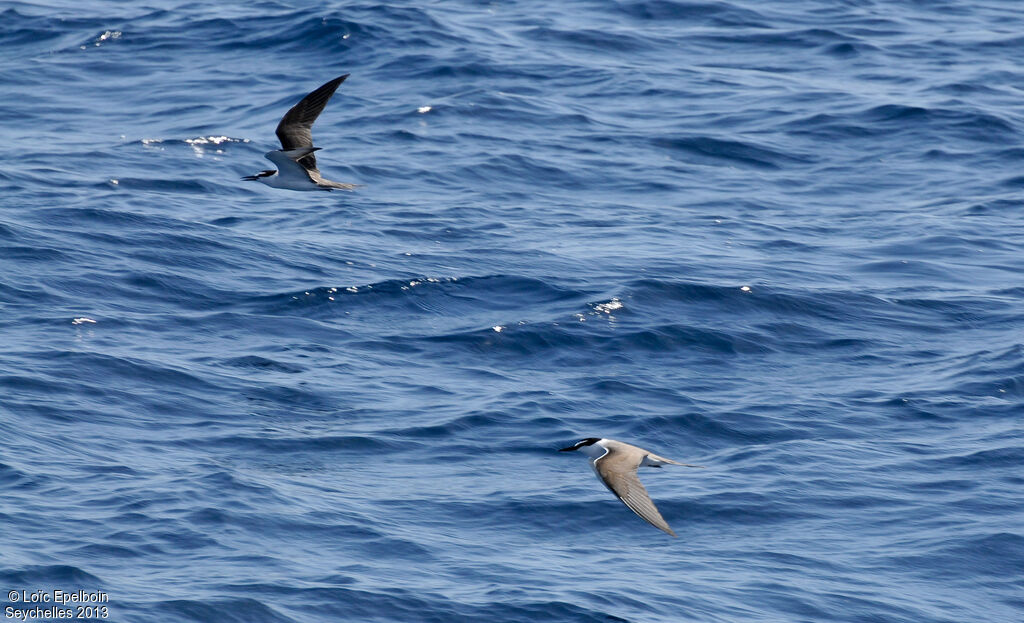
{"x": 295, "y": 129}
{"x": 618, "y": 472}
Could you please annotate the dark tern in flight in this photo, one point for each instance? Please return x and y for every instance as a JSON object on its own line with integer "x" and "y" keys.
{"x": 296, "y": 164}
{"x": 616, "y": 464}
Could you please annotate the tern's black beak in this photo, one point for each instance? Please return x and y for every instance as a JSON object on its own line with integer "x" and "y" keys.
{"x": 256, "y": 176}
{"x": 579, "y": 444}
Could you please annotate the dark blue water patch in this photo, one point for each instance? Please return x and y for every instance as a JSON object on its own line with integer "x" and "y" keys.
{"x": 494, "y": 108}
{"x": 80, "y": 366}
{"x": 425, "y": 67}
{"x": 893, "y": 119}
{"x": 167, "y": 535}
{"x": 968, "y": 124}
{"x": 14, "y": 478}
{"x": 599, "y": 41}
{"x": 928, "y": 271}
{"x": 712, "y": 150}
{"x": 797, "y": 38}
{"x": 847, "y": 50}
{"x": 150, "y": 288}
{"x": 762, "y": 304}
{"x": 970, "y": 311}
{"x": 169, "y": 185}
{"x": 268, "y": 395}
{"x": 999, "y": 42}
{"x": 240, "y": 610}
{"x": 798, "y": 337}
{"x": 8, "y": 232}
{"x": 45, "y": 33}
{"x": 830, "y": 125}
{"x": 572, "y": 345}
{"x": 255, "y": 362}
{"x": 730, "y": 427}
{"x": 449, "y": 234}
{"x": 996, "y": 556}
{"x": 721, "y": 14}
{"x": 940, "y": 155}
{"x": 1003, "y": 457}
{"x": 1013, "y": 182}
{"x": 369, "y": 605}
{"x": 502, "y": 168}
{"x": 322, "y": 526}
{"x": 295, "y": 445}
{"x": 133, "y": 382}
{"x": 792, "y": 561}
{"x": 639, "y": 389}
{"x": 45, "y": 575}
{"x": 31, "y": 254}
{"x": 161, "y": 31}
{"x": 97, "y": 220}
{"x": 965, "y": 89}
{"x": 112, "y": 552}
{"x": 995, "y": 206}
{"x": 452, "y": 428}
{"x": 31, "y": 384}
{"x": 12, "y": 295}
{"x": 839, "y": 606}
{"x": 941, "y": 246}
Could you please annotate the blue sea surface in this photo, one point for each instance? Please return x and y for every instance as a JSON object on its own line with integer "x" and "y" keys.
{"x": 782, "y": 239}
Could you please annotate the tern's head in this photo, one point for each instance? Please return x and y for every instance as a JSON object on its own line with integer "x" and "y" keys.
{"x": 256, "y": 177}
{"x": 583, "y": 443}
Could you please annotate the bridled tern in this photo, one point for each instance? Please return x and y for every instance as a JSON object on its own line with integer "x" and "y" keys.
{"x": 296, "y": 164}
{"x": 616, "y": 465}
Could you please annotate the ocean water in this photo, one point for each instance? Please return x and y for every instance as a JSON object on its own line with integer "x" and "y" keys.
{"x": 782, "y": 239}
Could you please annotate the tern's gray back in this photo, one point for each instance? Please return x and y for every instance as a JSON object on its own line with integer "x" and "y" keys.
{"x": 617, "y": 469}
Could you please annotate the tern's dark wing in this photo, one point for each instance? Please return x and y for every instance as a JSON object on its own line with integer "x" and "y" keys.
{"x": 295, "y": 129}
{"x": 618, "y": 472}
